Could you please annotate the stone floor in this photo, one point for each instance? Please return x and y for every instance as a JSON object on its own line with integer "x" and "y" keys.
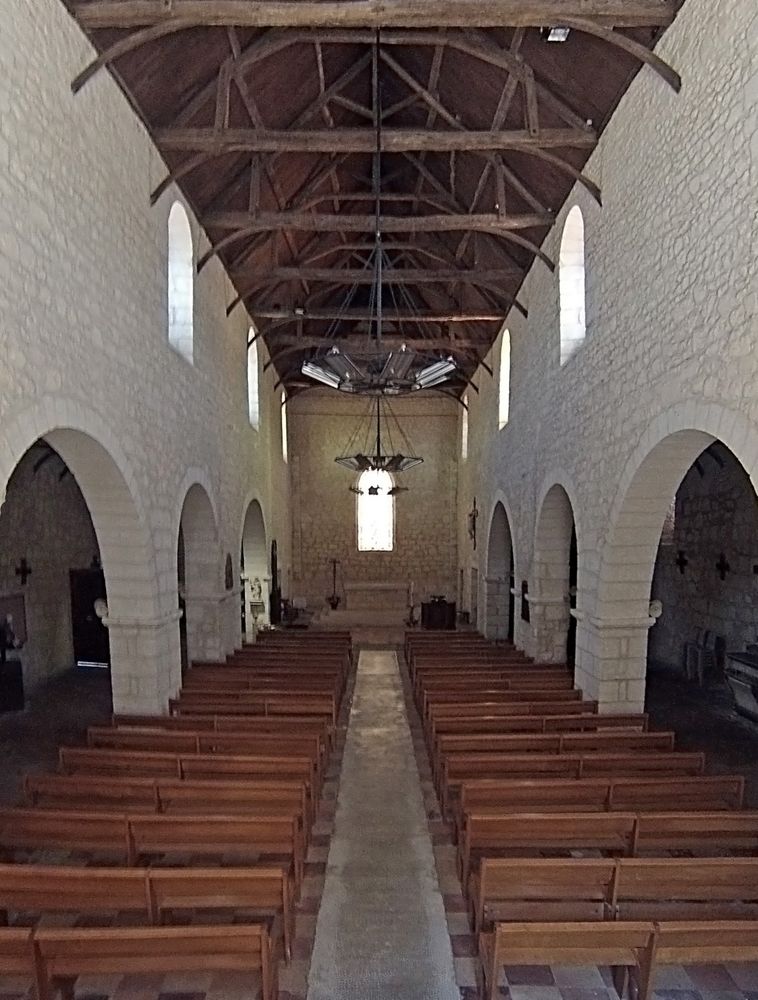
{"x": 381, "y": 932}
{"x": 379, "y": 833}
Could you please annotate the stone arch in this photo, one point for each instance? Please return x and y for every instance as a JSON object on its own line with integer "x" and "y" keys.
{"x": 612, "y": 645}
{"x": 554, "y": 577}
{"x": 499, "y": 620}
{"x": 140, "y": 633}
{"x": 199, "y": 570}
{"x": 254, "y": 560}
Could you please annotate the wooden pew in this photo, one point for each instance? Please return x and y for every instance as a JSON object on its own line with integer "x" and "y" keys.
{"x": 149, "y": 892}
{"x": 456, "y": 747}
{"x": 538, "y": 724}
{"x": 17, "y": 953}
{"x": 624, "y": 793}
{"x": 134, "y": 836}
{"x": 615, "y": 833}
{"x": 519, "y": 889}
{"x": 641, "y": 947}
{"x": 64, "y": 955}
{"x": 128, "y": 763}
{"x": 627, "y": 945}
{"x": 201, "y": 742}
{"x": 567, "y": 765}
{"x": 284, "y": 725}
{"x": 247, "y": 704}
{"x": 167, "y": 795}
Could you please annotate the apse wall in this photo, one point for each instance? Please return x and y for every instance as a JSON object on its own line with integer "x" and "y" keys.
{"x": 324, "y": 509}
{"x": 670, "y": 343}
{"x": 83, "y": 334}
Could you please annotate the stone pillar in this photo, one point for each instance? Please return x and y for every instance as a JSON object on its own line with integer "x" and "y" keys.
{"x": 145, "y": 663}
{"x": 611, "y": 661}
{"x": 231, "y": 620}
{"x": 497, "y": 592}
{"x": 208, "y": 628}
{"x": 549, "y": 628}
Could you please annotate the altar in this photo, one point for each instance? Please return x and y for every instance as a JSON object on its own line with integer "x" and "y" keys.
{"x": 384, "y": 596}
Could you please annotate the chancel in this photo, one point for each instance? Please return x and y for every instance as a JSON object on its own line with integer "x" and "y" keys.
{"x": 378, "y": 521}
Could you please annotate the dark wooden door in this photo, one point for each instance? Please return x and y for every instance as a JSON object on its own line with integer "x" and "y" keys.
{"x": 90, "y": 635}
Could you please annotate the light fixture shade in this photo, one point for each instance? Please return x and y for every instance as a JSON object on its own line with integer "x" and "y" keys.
{"x": 434, "y": 373}
{"x": 558, "y": 33}
{"x": 343, "y": 366}
{"x": 397, "y": 365}
{"x": 320, "y": 374}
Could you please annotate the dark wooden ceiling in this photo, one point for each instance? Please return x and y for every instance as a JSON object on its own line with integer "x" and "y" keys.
{"x": 265, "y": 113}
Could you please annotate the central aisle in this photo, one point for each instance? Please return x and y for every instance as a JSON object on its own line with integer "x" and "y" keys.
{"x": 381, "y": 931}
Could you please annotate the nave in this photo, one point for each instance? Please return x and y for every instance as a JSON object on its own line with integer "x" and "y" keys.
{"x": 442, "y": 815}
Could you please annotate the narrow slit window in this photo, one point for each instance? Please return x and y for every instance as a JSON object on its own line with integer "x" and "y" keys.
{"x": 253, "y": 390}
{"x": 181, "y": 282}
{"x": 571, "y": 281}
{"x": 504, "y": 400}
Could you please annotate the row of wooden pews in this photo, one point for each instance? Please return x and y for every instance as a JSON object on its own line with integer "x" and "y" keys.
{"x": 581, "y": 838}
{"x": 163, "y": 826}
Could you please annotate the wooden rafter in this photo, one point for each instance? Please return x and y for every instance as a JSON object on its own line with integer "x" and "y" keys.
{"x": 368, "y": 13}
{"x": 363, "y": 140}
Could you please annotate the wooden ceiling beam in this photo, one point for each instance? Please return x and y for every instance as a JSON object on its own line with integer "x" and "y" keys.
{"x": 345, "y": 222}
{"x": 369, "y": 13}
{"x": 296, "y": 314}
{"x": 390, "y": 276}
{"x": 363, "y": 140}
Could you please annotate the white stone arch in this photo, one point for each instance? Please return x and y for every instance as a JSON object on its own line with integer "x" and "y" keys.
{"x": 254, "y": 552}
{"x": 550, "y": 601}
{"x": 613, "y": 640}
{"x": 140, "y": 632}
{"x": 203, "y": 564}
{"x": 499, "y": 607}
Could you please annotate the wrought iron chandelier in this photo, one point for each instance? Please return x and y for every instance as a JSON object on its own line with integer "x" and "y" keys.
{"x": 371, "y": 368}
{"x": 375, "y": 452}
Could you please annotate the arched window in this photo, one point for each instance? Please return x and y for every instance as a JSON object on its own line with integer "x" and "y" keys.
{"x": 376, "y": 512}
{"x": 253, "y": 397}
{"x": 180, "y": 281}
{"x": 464, "y": 429}
{"x": 504, "y": 399}
{"x": 571, "y": 284}
{"x": 284, "y": 426}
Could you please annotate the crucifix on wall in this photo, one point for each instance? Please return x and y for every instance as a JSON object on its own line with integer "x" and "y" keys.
{"x": 472, "y": 518}
{"x": 722, "y": 566}
{"x": 682, "y": 561}
{"x": 23, "y": 571}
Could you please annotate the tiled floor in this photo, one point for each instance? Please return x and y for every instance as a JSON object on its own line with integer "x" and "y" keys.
{"x": 708, "y": 730}
{"x": 703, "y": 720}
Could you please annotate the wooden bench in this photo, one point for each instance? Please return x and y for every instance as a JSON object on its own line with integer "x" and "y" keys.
{"x": 149, "y": 892}
{"x": 614, "y": 833}
{"x": 167, "y": 795}
{"x": 567, "y": 765}
{"x": 127, "y": 763}
{"x": 284, "y": 725}
{"x": 135, "y": 836}
{"x": 201, "y": 742}
{"x": 641, "y": 947}
{"x": 538, "y": 724}
{"x": 520, "y": 889}
{"x": 457, "y": 746}
{"x": 61, "y": 956}
{"x": 628, "y": 794}
{"x": 249, "y": 704}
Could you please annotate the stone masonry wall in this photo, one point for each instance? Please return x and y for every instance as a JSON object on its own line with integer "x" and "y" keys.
{"x": 83, "y": 337}
{"x": 324, "y": 509}
{"x": 670, "y": 345}
{"x": 715, "y": 513}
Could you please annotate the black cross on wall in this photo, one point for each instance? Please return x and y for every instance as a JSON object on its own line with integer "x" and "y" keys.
{"x": 682, "y": 561}
{"x": 722, "y": 566}
{"x": 23, "y": 571}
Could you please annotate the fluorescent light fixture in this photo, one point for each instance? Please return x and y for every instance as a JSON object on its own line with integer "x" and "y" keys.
{"x": 342, "y": 365}
{"x": 557, "y": 33}
{"x": 435, "y": 373}
{"x": 397, "y": 365}
{"x": 320, "y": 374}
